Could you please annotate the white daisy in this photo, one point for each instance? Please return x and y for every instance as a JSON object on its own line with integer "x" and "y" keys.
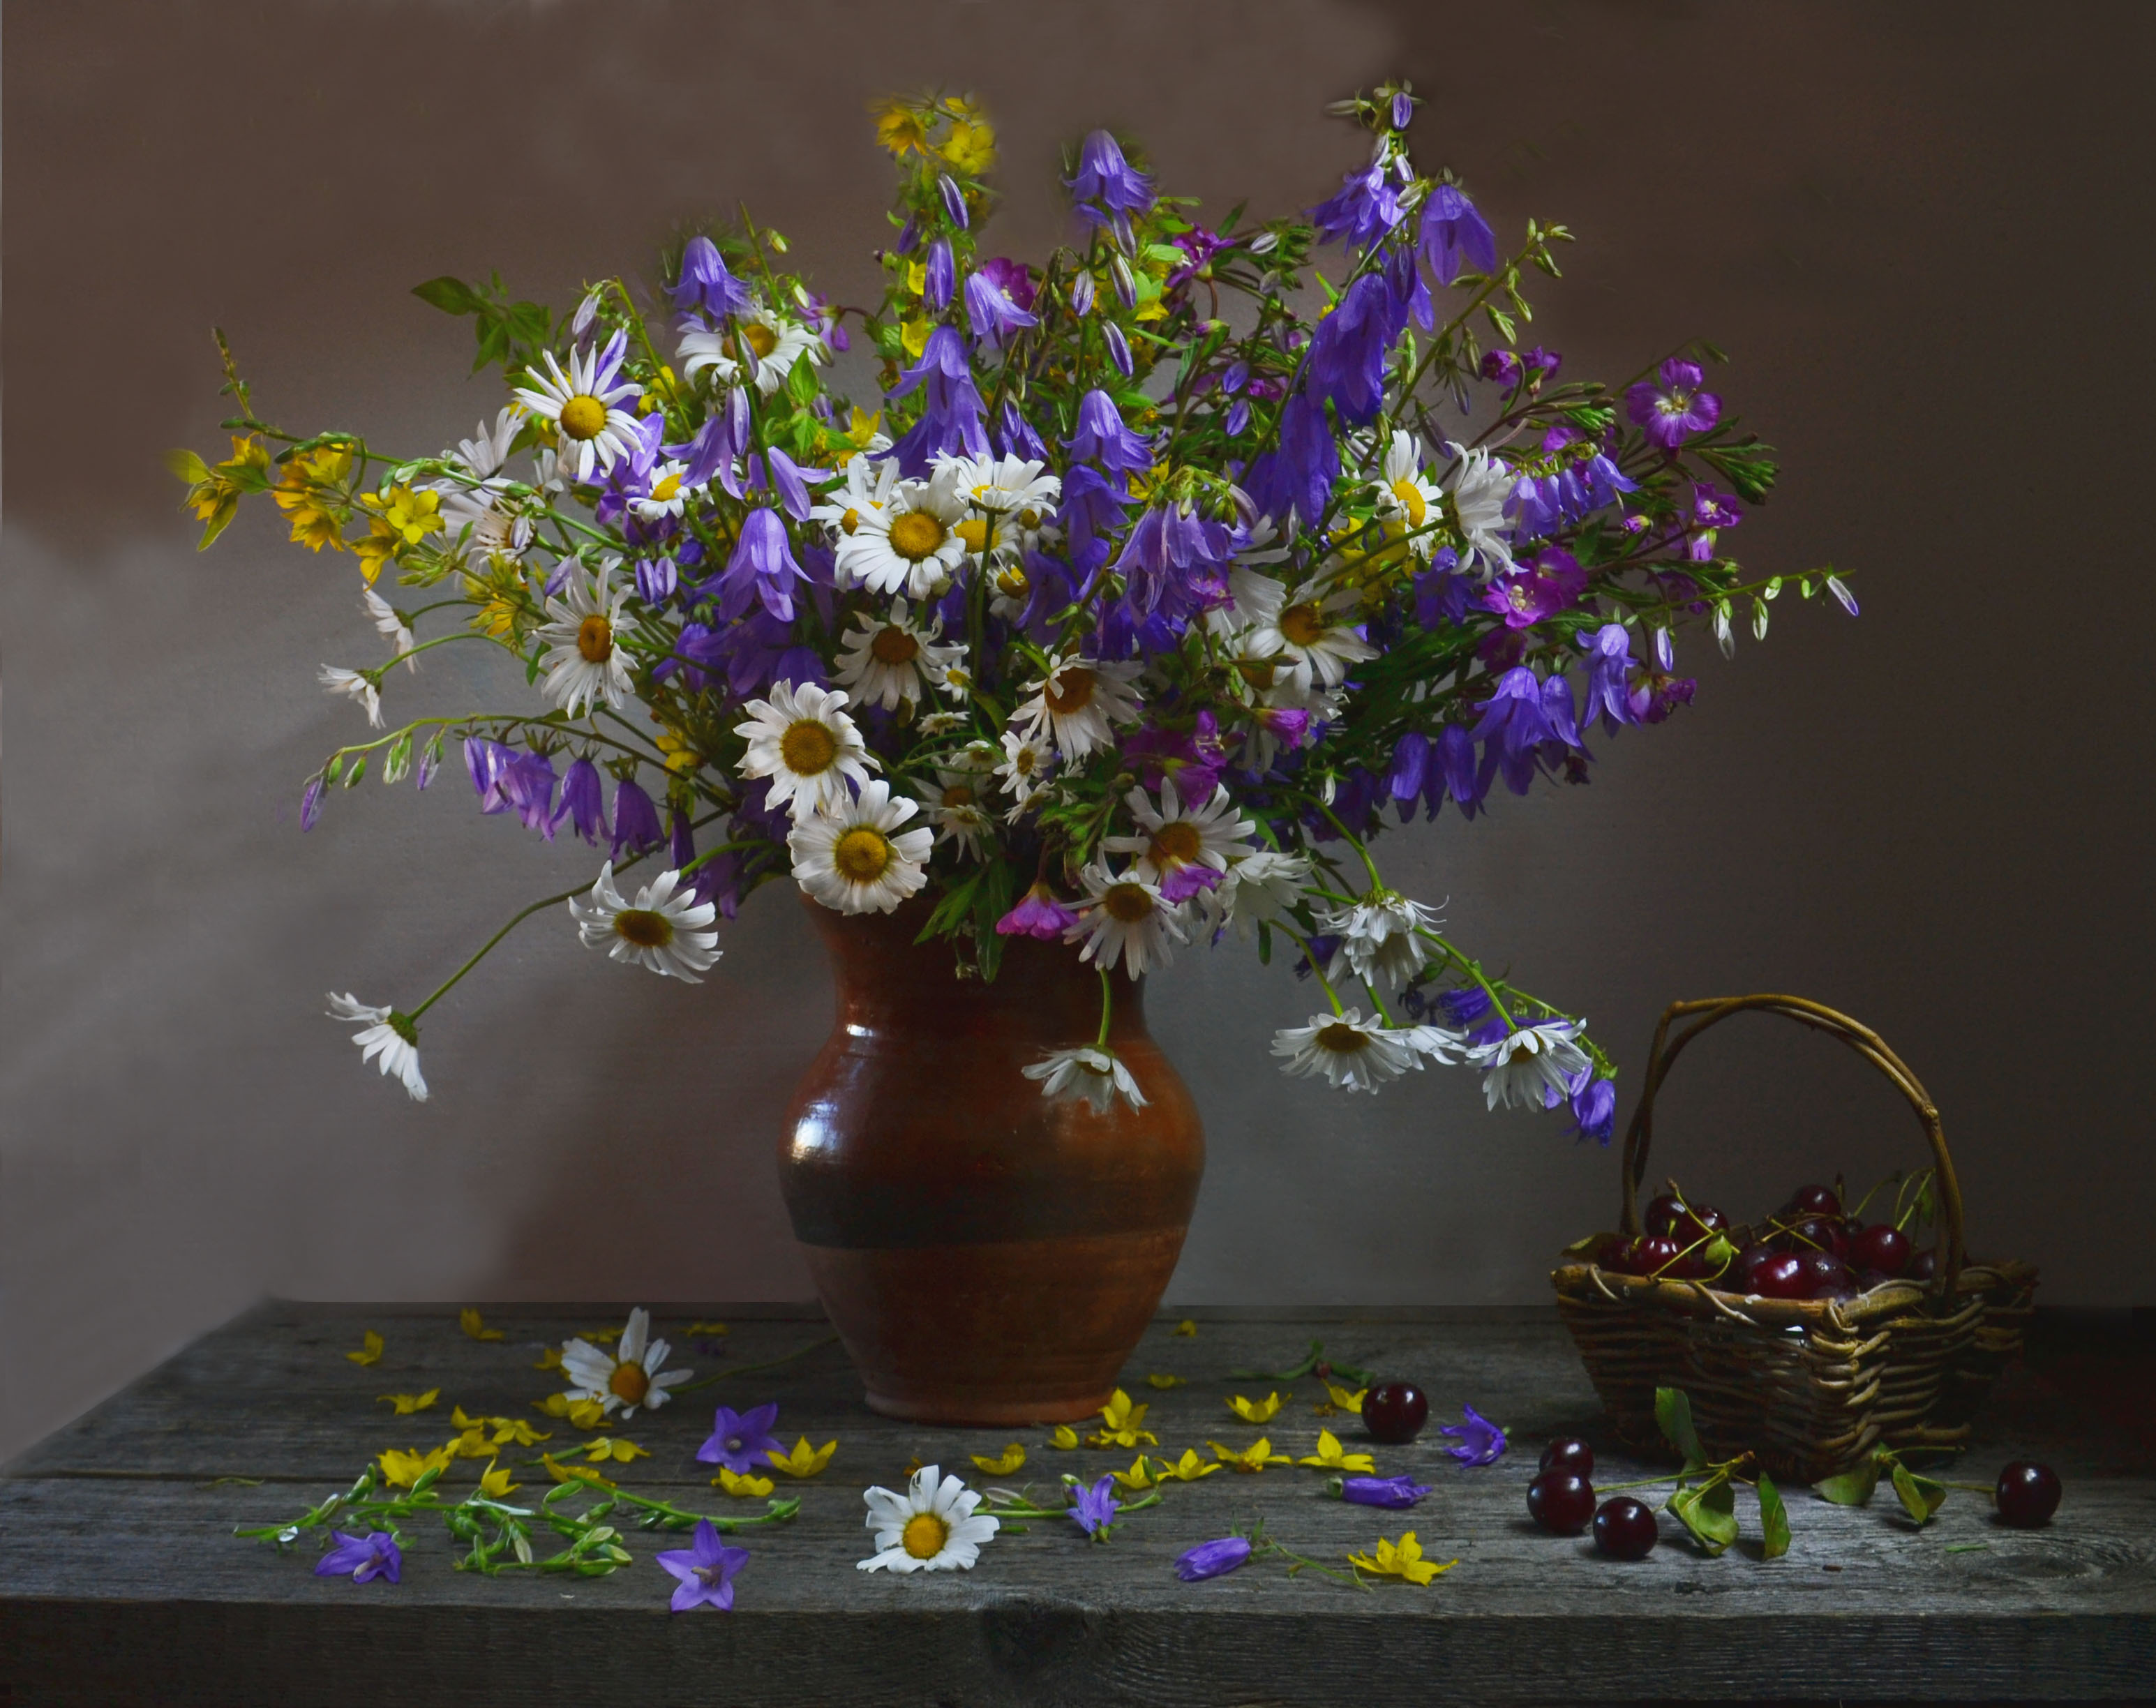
{"x": 910, "y": 545}
{"x": 870, "y": 485}
{"x": 584, "y": 404}
{"x": 849, "y": 858}
{"x": 1026, "y": 763}
{"x": 387, "y": 1037}
{"x": 932, "y": 1527}
{"x": 1406, "y": 495}
{"x": 668, "y": 496}
{"x": 801, "y": 740}
{"x": 1124, "y": 916}
{"x": 941, "y": 723}
{"x": 357, "y": 686}
{"x": 1314, "y": 636}
{"x": 953, "y": 804}
{"x": 775, "y": 342}
{"x": 1096, "y": 1075}
{"x": 1078, "y": 704}
{"x": 1176, "y": 839}
{"x": 885, "y": 660}
{"x": 584, "y": 663}
{"x": 1348, "y": 1050}
{"x": 1377, "y": 937}
{"x": 630, "y": 1376}
{"x": 1533, "y": 1067}
{"x": 1254, "y": 601}
{"x": 1262, "y": 885}
{"x": 391, "y": 626}
{"x": 664, "y": 929}
{"x": 1008, "y": 499}
{"x": 1478, "y": 494}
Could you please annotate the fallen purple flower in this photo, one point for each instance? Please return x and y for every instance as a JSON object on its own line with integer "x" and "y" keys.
{"x": 361, "y": 1558}
{"x": 707, "y": 1569}
{"x": 1213, "y": 1559}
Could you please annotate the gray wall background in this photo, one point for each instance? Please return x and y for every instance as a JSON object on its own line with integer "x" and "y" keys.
{"x": 1921, "y": 230}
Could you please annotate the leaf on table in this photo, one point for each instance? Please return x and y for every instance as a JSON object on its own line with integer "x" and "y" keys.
{"x": 1851, "y": 1488}
{"x": 1709, "y": 1511}
{"x": 1673, "y": 1414}
{"x": 1774, "y": 1520}
{"x": 1921, "y": 1496}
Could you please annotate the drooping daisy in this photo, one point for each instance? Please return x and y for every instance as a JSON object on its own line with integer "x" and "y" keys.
{"x": 910, "y": 545}
{"x": 1124, "y": 917}
{"x": 634, "y": 1374}
{"x": 387, "y": 1037}
{"x": 854, "y": 858}
{"x": 357, "y": 686}
{"x": 1349, "y": 1050}
{"x": 1533, "y": 1067}
{"x": 584, "y": 663}
{"x": 1254, "y": 599}
{"x": 584, "y": 404}
{"x": 941, "y": 723}
{"x": 1177, "y": 842}
{"x": 666, "y": 929}
{"x": 1078, "y": 705}
{"x": 1258, "y": 886}
{"x": 870, "y": 485}
{"x": 1407, "y": 495}
{"x": 775, "y": 342}
{"x": 887, "y": 660}
{"x": 1096, "y": 1075}
{"x": 806, "y": 745}
{"x": 1478, "y": 494}
{"x": 476, "y": 512}
{"x": 953, "y": 805}
{"x": 932, "y": 1527}
{"x": 1316, "y": 639}
{"x": 392, "y": 626}
{"x": 1377, "y": 937}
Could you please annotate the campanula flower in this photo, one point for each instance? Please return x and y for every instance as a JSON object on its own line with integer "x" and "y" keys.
{"x": 1480, "y": 1440}
{"x": 1671, "y": 408}
{"x": 636, "y": 827}
{"x": 1365, "y": 207}
{"x": 362, "y": 1558}
{"x": 1394, "y": 1492}
{"x": 938, "y": 276}
{"x": 1105, "y": 177}
{"x": 994, "y": 316}
{"x": 1608, "y": 690}
{"x": 1039, "y": 915}
{"x": 1095, "y": 1508}
{"x": 707, "y": 1569}
{"x": 582, "y": 803}
{"x": 741, "y": 1441}
{"x": 1452, "y": 233}
{"x": 1102, "y": 437}
{"x": 1213, "y": 1559}
{"x": 705, "y": 285}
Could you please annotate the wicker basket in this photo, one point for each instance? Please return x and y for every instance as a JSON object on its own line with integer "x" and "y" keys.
{"x": 1808, "y": 1385}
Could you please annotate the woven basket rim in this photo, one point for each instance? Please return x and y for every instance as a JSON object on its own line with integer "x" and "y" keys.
{"x": 1584, "y": 1281}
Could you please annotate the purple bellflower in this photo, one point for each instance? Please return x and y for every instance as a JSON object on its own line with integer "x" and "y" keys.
{"x": 505, "y": 781}
{"x": 1298, "y": 474}
{"x": 635, "y": 820}
{"x": 1347, "y": 361}
{"x": 311, "y": 803}
{"x": 790, "y": 481}
{"x": 705, "y": 285}
{"x": 361, "y": 1558}
{"x": 1095, "y": 1508}
{"x": 1610, "y": 666}
{"x": 941, "y": 276}
{"x": 1481, "y": 1441}
{"x": 1671, "y": 408}
{"x": 1593, "y": 1107}
{"x": 994, "y": 316}
{"x": 1394, "y": 1492}
{"x": 1090, "y": 511}
{"x": 717, "y": 446}
{"x": 954, "y": 200}
{"x": 1015, "y": 437}
{"x": 1175, "y": 561}
{"x": 1103, "y": 438}
{"x": 1195, "y": 759}
{"x": 952, "y": 407}
{"x": 706, "y": 1568}
{"x": 761, "y": 570}
{"x": 582, "y": 803}
{"x": 1119, "y": 348}
{"x": 1105, "y": 176}
{"x": 1519, "y": 715}
{"x": 740, "y": 1439}
{"x": 1453, "y": 233}
{"x": 1364, "y": 209}
{"x": 1038, "y": 914}
{"x": 657, "y": 579}
{"x": 1213, "y": 1559}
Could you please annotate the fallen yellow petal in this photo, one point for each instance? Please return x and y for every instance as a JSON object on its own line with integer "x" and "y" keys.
{"x": 471, "y": 1444}
{"x": 473, "y": 1324}
{"x": 551, "y": 1359}
{"x": 1261, "y": 1411}
{"x": 1329, "y": 1456}
{"x": 1138, "y": 1476}
{"x": 457, "y": 1417}
{"x": 508, "y": 1430}
{"x": 1345, "y": 1401}
{"x": 1008, "y": 1460}
{"x": 573, "y": 1473}
{"x": 1255, "y": 1458}
{"x": 585, "y": 1414}
{"x": 1165, "y": 1382}
{"x": 705, "y": 1328}
{"x": 1064, "y": 1437}
{"x": 494, "y": 1483}
{"x": 1190, "y": 1468}
{"x": 613, "y": 1447}
{"x": 407, "y": 1403}
{"x": 743, "y": 1487}
{"x": 368, "y": 1351}
{"x": 1186, "y": 1329}
{"x": 1403, "y": 1559}
{"x": 803, "y": 1462}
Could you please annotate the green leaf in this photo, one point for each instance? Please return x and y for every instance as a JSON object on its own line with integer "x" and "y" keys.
{"x": 189, "y": 467}
{"x": 1264, "y": 945}
{"x": 452, "y": 296}
{"x": 1851, "y": 1488}
{"x": 1709, "y": 1512}
{"x": 1751, "y": 469}
{"x": 1774, "y": 1520}
{"x": 1673, "y": 1416}
{"x": 1921, "y": 1497}
{"x": 801, "y": 382}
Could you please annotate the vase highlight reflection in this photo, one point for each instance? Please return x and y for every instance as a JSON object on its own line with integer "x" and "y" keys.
{"x": 987, "y": 1256}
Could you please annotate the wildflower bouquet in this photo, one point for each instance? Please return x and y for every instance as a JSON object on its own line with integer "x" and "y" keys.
{"x": 1154, "y": 574}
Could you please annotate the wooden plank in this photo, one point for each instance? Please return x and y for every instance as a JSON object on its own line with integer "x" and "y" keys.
{"x": 117, "y": 1564}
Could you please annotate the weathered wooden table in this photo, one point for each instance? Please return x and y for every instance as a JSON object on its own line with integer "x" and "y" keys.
{"x": 120, "y": 1580}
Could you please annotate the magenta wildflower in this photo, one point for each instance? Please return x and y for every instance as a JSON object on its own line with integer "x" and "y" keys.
{"x": 1013, "y": 279}
{"x": 1038, "y": 914}
{"x": 1670, "y": 410}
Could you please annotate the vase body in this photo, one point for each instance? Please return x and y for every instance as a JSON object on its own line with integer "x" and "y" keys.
{"x": 987, "y": 1256}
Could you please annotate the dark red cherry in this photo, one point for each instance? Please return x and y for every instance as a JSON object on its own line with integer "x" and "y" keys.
{"x": 1661, "y": 1217}
{"x": 1568, "y": 1453}
{"x": 1561, "y": 1501}
{"x": 1814, "y": 1200}
{"x": 1782, "y": 1276}
{"x": 1668, "y": 1217}
{"x": 1885, "y": 1247}
{"x": 1924, "y": 1266}
{"x": 1825, "y": 1273}
{"x": 1624, "y": 1529}
{"x": 1741, "y": 1273}
{"x": 2028, "y": 1493}
{"x": 1648, "y": 1255}
{"x": 1814, "y": 1233}
{"x": 1866, "y": 1280}
{"x": 1394, "y": 1413}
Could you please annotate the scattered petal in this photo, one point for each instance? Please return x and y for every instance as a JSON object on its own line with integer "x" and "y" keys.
{"x": 1008, "y": 1460}
{"x": 369, "y": 1351}
{"x": 473, "y": 1324}
{"x": 407, "y": 1403}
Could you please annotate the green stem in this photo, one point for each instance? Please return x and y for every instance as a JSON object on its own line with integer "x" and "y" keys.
{"x": 751, "y": 1369}
{"x": 1107, "y": 1005}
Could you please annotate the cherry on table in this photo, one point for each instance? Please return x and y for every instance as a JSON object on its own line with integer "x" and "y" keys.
{"x": 1561, "y": 1501}
{"x": 1624, "y": 1529}
{"x": 2028, "y": 1493}
{"x": 1568, "y": 1453}
{"x": 1885, "y": 1247}
{"x": 1394, "y": 1413}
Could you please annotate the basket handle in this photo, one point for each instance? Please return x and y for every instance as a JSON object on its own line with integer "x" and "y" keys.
{"x": 1858, "y": 1037}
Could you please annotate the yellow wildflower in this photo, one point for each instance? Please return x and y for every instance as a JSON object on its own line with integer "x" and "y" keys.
{"x": 913, "y": 335}
{"x": 1342, "y": 1398}
{"x": 1164, "y": 1383}
{"x": 401, "y": 517}
{"x": 861, "y": 427}
{"x": 1261, "y": 1411}
{"x": 1403, "y": 1559}
{"x": 899, "y": 129}
{"x": 471, "y": 1444}
{"x": 214, "y": 492}
{"x": 683, "y": 759}
{"x": 407, "y": 1403}
{"x": 601, "y": 1335}
{"x": 803, "y": 1461}
{"x": 551, "y": 1359}
{"x": 1122, "y": 1424}
{"x": 1064, "y": 1437}
{"x": 1139, "y": 1476}
{"x": 971, "y": 147}
{"x": 1189, "y": 1469}
{"x": 309, "y": 495}
{"x": 1008, "y": 1460}
{"x": 585, "y": 1414}
{"x": 913, "y": 1464}
{"x": 916, "y": 278}
{"x": 613, "y": 1447}
{"x": 473, "y": 1324}
{"x": 573, "y": 1473}
{"x": 705, "y": 1328}
{"x": 1252, "y": 1458}
{"x": 1329, "y": 1457}
{"x": 500, "y": 599}
{"x": 494, "y": 1482}
{"x": 1188, "y": 1329}
{"x": 370, "y": 1350}
{"x": 742, "y": 1488}
{"x": 401, "y": 1469}
{"x": 516, "y": 1430}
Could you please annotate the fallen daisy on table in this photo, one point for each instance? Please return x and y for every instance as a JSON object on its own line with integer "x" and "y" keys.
{"x": 633, "y": 1375}
{"x": 932, "y": 1527}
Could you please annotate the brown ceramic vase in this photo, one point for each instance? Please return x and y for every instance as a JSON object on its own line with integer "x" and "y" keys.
{"x": 987, "y": 1256}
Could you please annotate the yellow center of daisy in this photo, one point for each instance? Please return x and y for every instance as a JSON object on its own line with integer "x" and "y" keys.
{"x": 850, "y": 521}
{"x": 1029, "y": 518}
{"x": 583, "y": 416}
{"x": 1176, "y": 843}
{"x": 1127, "y": 902}
{"x": 595, "y": 639}
{"x": 1342, "y": 1039}
{"x": 1411, "y": 501}
{"x": 974, "y": 531}
{"x": 1011, "y": 582}
{"x": 916, "y": 535}
{"x": 761, "y": 338}
{"x": 863, "y": 855}
{"x": 924, "y": 1535}
{"x": 808, "y": 747}
{"x": 645, "y": 927}
{"x": 667, "y": 490}
{"x": 1302, "y": 625}
{"x": 1072, "y": 690}
{"x": 894, "y": 646}
{"x": 958, "y": 794}
{"x": 630, "y": 1383}
{"x": 1259, "y": 673}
